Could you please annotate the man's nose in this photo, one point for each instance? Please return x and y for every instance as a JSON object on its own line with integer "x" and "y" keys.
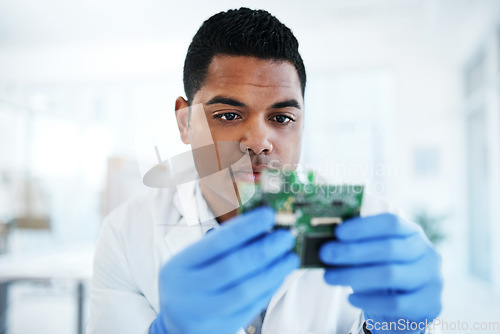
{"x": 256, "y": 137}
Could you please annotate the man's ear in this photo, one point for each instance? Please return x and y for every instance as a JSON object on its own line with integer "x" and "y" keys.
{"x": 182, "y": 116}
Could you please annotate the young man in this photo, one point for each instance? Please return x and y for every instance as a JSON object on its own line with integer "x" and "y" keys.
{"x": 158, "y": 270}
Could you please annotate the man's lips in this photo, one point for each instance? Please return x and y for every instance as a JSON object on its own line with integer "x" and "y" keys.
{"x": 246, "y": 175}
{"x": 256, "y": 169}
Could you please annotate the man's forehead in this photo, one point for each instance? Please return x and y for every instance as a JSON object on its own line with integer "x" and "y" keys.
{"x": 250, "y": 80}
{"x": 243, "y": 70}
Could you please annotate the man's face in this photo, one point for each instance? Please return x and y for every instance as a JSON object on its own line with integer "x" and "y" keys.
{"x": 257, "y": 103}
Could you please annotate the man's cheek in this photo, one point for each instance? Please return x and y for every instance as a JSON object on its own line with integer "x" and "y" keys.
{"x": 290, "y": 155}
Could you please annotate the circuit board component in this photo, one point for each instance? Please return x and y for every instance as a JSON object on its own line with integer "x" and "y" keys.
{"x": 310, "y": 210}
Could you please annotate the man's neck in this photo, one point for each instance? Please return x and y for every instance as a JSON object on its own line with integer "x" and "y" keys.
{"x": 218, "y": 204}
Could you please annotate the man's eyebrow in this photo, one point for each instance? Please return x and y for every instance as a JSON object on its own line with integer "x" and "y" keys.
{"x": 285, "y": 104}
{"x": 225, "y": 100}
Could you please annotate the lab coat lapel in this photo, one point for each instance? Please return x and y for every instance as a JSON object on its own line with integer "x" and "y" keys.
{"x": 173, "y": 228}
{"x": 187, "y": 229}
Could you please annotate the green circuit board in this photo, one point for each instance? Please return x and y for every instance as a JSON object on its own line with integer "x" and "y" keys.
{"x": 311, "y": 211}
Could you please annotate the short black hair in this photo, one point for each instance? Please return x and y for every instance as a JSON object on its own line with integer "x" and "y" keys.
{"x": 240, "y": 32}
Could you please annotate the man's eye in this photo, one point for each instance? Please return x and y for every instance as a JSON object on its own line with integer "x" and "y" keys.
{"x": 227, "y": 116}
{"x": 282, "y": 119}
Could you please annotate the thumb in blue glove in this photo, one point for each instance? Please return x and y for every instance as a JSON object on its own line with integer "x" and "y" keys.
{"x": 222, "y": 282}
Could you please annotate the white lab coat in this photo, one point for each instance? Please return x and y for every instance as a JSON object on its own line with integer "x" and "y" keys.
{"x": 140, "y": 236}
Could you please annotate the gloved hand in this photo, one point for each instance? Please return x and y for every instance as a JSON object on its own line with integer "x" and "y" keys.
{"x": 220, "y": 283}
{"x": 392, "y": 268}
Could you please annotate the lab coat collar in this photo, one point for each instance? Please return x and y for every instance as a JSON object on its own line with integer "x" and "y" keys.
{"x": 185, "y": 202}
{"x": 191, "y": 204}
{"x": 195, "y": 218}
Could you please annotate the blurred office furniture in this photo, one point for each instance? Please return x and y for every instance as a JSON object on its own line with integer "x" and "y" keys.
{"x": 58, "y": 263}
{"x": 26, "y": 214}
{"x": 5, "y": 211}
{"x": 4, "y": 235}
{"x": 28, "y": 232}
{"x": 33, "y": 223}
{"x": 5, "y": 232}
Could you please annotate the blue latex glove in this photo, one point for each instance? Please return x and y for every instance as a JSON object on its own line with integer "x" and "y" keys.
{"x": 222, "y": 282}
{"x": 392, "y": 268}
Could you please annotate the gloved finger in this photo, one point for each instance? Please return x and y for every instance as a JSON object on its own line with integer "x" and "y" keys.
{"x": 397, "y": 276}
{"x": 245, "y": 261}
{"x": 243, "y": 292}
{"x": 418, "y": 305}
{"x": 232, "y": 234}
{"x": 261, "y": 255}
{"x": 374, "y": 251}
{"x": 373, "y": 227}
{"x": 204, "y": 305}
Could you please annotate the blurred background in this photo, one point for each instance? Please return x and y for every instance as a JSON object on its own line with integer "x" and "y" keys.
{"x": 402, "y": 95}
